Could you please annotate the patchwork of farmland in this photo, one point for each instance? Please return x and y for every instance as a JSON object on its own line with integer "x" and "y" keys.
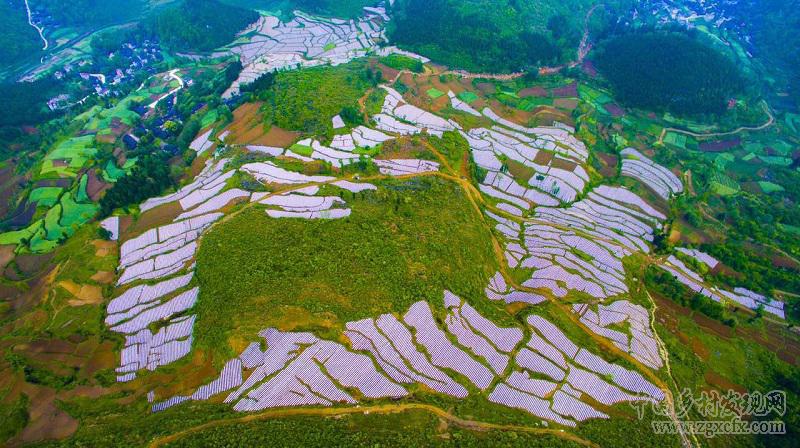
{"x": 365, "y": 239}
{"x": 345, "y": 293}
{"x": 66, "y": 207}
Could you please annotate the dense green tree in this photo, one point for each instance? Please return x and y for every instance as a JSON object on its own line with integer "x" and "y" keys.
{"x": 89, "y": 13}
{"x": 472, "y": 35}
{"x": 198, "y": 25}
{"x": 668, "y": 72}
{"x": 18, "y": 39}
{"x": 149, "y": 178}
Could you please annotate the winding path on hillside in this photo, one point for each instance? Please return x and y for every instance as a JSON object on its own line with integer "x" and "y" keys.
{"x": 770, "y": 121}
{"x": 39, "y": 29}
{"x": 378, "y": 409}
{"x": 583, "y": 50}
{"x": 173, "y": 74}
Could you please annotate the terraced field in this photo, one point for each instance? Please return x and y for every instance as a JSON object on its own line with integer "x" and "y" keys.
{"x": 469, "y": 262}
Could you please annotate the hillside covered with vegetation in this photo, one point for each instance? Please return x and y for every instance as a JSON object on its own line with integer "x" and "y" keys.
{"x": 668, "y": 72}
{"x": 18, "y": 39}
{"x": 331, "y": 8}
{"x": 198, "y": 25}
{"x": 494, "y": 36}
{"x": 287, "y": 105}
{"x": 774, "y": 25}
{"x": 87, "y": 13}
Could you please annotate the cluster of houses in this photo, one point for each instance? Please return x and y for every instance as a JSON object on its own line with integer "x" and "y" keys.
{"x": 106, "y": 78}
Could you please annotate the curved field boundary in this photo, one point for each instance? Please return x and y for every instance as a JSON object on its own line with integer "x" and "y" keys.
{"x": 379, "y": 409}
{"x": 738, "y": 130}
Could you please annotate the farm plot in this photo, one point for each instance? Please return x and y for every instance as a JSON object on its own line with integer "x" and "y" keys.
{"x": 699, "y": 256}
{"x": 45, "y": 196}
{"x": 574, "y": 248}
{"x": 459, "y": 103}
{"x": 741, "y": 296}
{"x": 661, "y": 180}
{"x": 635, "y": 338}
{"x": 386, "y": 358}
{"x": 60, "y": 221}
{"x": 580, "y": 248}
{"x": 305, "y": 41}
{"x": 398, "y": 117}
{"x": 553, "y": 154}
{"x": 339, "y": 154}
{"x": 303, "y": 204}
{"x": 69, "y": 156}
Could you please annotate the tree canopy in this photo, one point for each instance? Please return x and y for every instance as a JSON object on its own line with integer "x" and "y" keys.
{"x": 666, "y": 71}
{"x": 198, "y": 25}
{"x": 475, "y": 36}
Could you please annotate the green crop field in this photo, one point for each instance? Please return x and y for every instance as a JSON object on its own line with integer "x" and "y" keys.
{"x": 400, "y": 62}
{"x": 76, "y": 151}
{"x": 468, "y": 97}
{"x": 675, "y": 139}
{"x": 770, "y": 187}
{"x": 74, "y": 213}
{"x": 45, "y": 196}
{"x": 112, "y": 173}
{"x": 435, "y": 93}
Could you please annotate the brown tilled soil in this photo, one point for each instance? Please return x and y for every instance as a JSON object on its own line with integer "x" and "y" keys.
{"x": 563, "y": 164}
{"x": 776, "y": 338}
{"x": 31, "y": 264}
{"x": 546, "y": 115}
{"x": 519, "y": 171}
{"x": 104, "y": 248}
{"x": 247, "y": 128}
{"x": 106, "y": 138}
{"x": 47, "y": 421}
{"x": 721, "y": 383}
{"x": 6, "y": 254}
{"x": 158, "y": 216}
{"x": 83, "y": 294}
{"x": 519, "y": 117}
{"x": 95, "y": 186}
{"x": 103, "y": 277}
{"x": 543, "y": 158}
{"x": 486, "y": 88}
{"x": 609, "y": 164}
{"x": 540, "y": 92}
{"x": 387, "y": 72}
{"x": 565, "y": 103}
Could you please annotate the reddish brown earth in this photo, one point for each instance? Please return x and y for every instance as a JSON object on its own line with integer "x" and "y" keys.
{"x": 609, "y": 164}
{"x": 566, "y": 103}
{"x": 774, "y": 337}
{"x": 537, "y": 91}
{"x": 6, "y": 255}
{"x": 95, "y": 186}
{"x": 247, "y": 128}
{"x": 159, "y": 216}
{"x": 31, "y": 264}
{"x": 401, "y": 148}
